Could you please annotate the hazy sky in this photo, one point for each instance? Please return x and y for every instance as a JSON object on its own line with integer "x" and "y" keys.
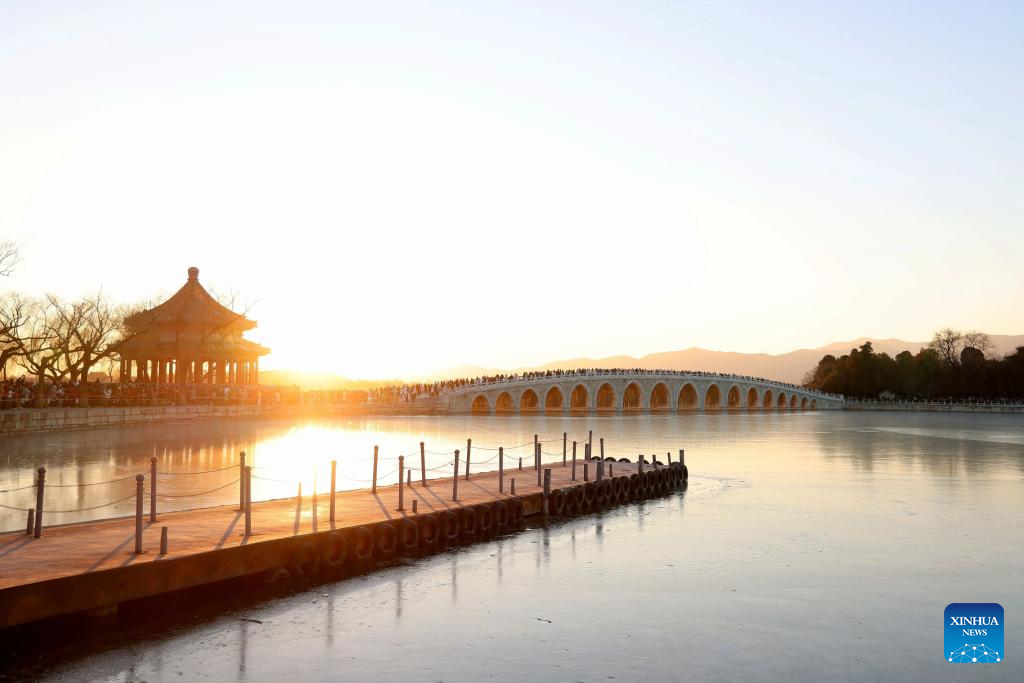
{"x": 405, "y": 187}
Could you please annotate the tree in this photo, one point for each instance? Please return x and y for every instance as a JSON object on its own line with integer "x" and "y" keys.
{"x": 980, "y": 341}
{"x": 14, "y": 312}
{"x": 97, "y": 327}
{"x": 947, "y": 342}
{"x": 10, "y": 255}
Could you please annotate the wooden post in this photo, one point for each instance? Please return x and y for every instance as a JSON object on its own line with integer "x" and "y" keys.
{"x": 334, "y": 478}
{"x": 565, "y": 446}
{"x": 163, "y": 540}
{"x": 640, "y": 464}
{"x": 414, "y": 501}
{"x": 455, "y": 477}
{"x": 31, "y": 522}
{"x": 670, "y": 460}
{"x": 152, "y": 489}
{"x": 40, "y": 487}
{"x": 512, "y": 490}
{"x": 241, "y": 480}
{"x": 247, "y": 481}
{"x": 536, "y": 459}
{"x": 501, "y": 469}
{"x": 401, "y": 483}
{"x": 423, "y": 465}
{"x": 469, "y": 446}
{"x": 547, "y": 491}
{"x": 139, "y": 495}
{"x": 408, "y": 477}
{"x": 520, "y": 463}
{"x": 682, "y": 458}
{"x": 574, "y": 461}
{"x": 373, "y": 489}
{"x": 600, "y": 470}
{"x": 586, "y": 471}
{"x": 590, "y": 441}
{"x": 602, "y": 448}
{"x": 535, "y": 444}
{"x": 610, "y": 469}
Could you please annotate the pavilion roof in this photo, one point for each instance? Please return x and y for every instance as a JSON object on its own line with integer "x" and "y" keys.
{"x": 191, "y": 307}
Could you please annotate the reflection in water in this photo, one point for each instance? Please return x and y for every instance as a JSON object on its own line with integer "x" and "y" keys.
{"x": 801, "y": 533}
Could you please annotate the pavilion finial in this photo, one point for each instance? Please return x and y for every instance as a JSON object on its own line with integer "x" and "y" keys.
{"x": 193, "y": 274}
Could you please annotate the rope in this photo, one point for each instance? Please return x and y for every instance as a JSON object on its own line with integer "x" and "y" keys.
{"x": 92, "y": 483}
{"x": 11, "y": 507}
{"x": 195, "y": 495}
{"x": 20, "y": 488}
{"x": 95, "y": 507}
{"x": 175, "y": 474}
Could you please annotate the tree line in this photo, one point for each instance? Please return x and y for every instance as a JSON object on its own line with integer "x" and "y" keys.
{"x": 955, "y": 364}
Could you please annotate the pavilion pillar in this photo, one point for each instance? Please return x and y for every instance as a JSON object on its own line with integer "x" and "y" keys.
{"x": 256, "y": 372}
{"x": 161, "y": 368}
{"x": 232, "y": 372}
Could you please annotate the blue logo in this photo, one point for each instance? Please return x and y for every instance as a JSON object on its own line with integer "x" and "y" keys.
{"x": 974, "y": 633}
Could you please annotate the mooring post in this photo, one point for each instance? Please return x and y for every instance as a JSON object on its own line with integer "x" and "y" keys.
{"x": 547, "y": 490}
{"x": 574, "y": 461}
{"x": 455, "y": 477}
{"x": 610, "y": 469}
{"x": 163, "y": 540}
{"x": 247, "y": 482}
{"x": 31, "y": 522}
{"x": 600, "y": 470}
{"x": 640, "y": 464}
{"x": 586, "y": 473}
{"x": 501, "y": 469}
{"x": 241, "y": 479}
{"x": 423, "y": 465}
{"x": 682, "y": 458}
{"x": 469, "y": 445}
{"x": 535, "y": 445}
{"x": 152, "y": 489}
{"x": 602, "y": 448}
{"x": 408, "y": 477}
{"x": 565, "y": 446}
{"x": 334, "y": 477}
{"x": 373, "y": 489}
{"x": 669, "y": 459}
{"x": 537, "y": 460}
{"x": 140, "y": 480}
{"x": 40, "y": 487}
{"x": 414, "y": 501}
{"x": 512, "y": 489}
{"x": 590, "y": 441}
{"x": 401, "y": 483}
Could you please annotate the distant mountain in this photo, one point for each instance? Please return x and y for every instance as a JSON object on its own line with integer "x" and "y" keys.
{"x": 787, "y": 367}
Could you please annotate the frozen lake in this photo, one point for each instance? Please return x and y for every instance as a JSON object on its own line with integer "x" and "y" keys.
{"x": 814, "y": 546}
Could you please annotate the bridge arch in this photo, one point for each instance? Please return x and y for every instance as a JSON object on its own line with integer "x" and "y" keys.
{"x": 481, "y": 406}
{"x": 712, "y": 398}
{"x": 605, "y": 401}
{"x": 733, "y": 398}
{"x": 814, "y": 404}
{"x": 632, "y": 398}
{"x": 554, "y": 401}
{"x": 803, "y": 403}
{"x": 782, "y": 400}
{"x": 579, "y": 399}
{"x": 752, "y": 401}
{"x": 660, "y": 400}
{"x": 769, "y": 399}
{"x": 792, "y": 402}
{"x": 504, "y": 405}
{"x": 528, "y": 402}
{"x": 687, "y": 398}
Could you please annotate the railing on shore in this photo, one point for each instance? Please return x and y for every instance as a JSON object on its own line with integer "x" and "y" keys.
{"x": 968, "y": 403}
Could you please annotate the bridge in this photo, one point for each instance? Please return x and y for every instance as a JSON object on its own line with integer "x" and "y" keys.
{"x": 634, "y": 391}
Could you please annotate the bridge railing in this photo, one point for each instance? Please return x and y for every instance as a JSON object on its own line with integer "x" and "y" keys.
{"x": 595, "y": 374}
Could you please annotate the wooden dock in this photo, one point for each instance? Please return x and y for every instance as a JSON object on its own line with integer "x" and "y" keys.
{"x": 93, "y": 566}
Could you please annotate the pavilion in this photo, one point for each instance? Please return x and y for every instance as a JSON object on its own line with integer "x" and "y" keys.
{"x": 190, "y": 339}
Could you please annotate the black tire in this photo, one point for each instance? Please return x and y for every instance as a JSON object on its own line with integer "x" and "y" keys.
{"x": 516, "y": 509}
{"x": 485, "y": 518}
{"x": 430, "y": 531}
{"x": 362, "y": 543}
{"x": 410, "y": 535}
{"x": 385, "y": 537}
{"x": 501, "y": 514}
{"x": 556, "y": 502}
{"x": 333, "y": 550}
{"x": 625, "y": 460}
{"x": 305, "y": 560}
{"x": 636, "y": 486}
{"x": 589, "y": 495}
{"x": 450, "y": 526}
{"x": 467, "y": 523}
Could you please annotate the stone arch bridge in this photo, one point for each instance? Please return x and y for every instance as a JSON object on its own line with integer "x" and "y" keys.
{"x": 610, "y": 392}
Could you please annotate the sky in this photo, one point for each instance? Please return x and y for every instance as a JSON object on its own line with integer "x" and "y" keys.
{"x": 398, "y": 188}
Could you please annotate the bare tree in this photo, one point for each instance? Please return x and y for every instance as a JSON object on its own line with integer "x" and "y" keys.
{"x": 41, "y": 344}
{"x": 14, "y": 312}
{"x": 10, "y": 255}
{"x": 96, "y": 327}
{"x": 947, "y": 342}
{"x": 980, "y": 341}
